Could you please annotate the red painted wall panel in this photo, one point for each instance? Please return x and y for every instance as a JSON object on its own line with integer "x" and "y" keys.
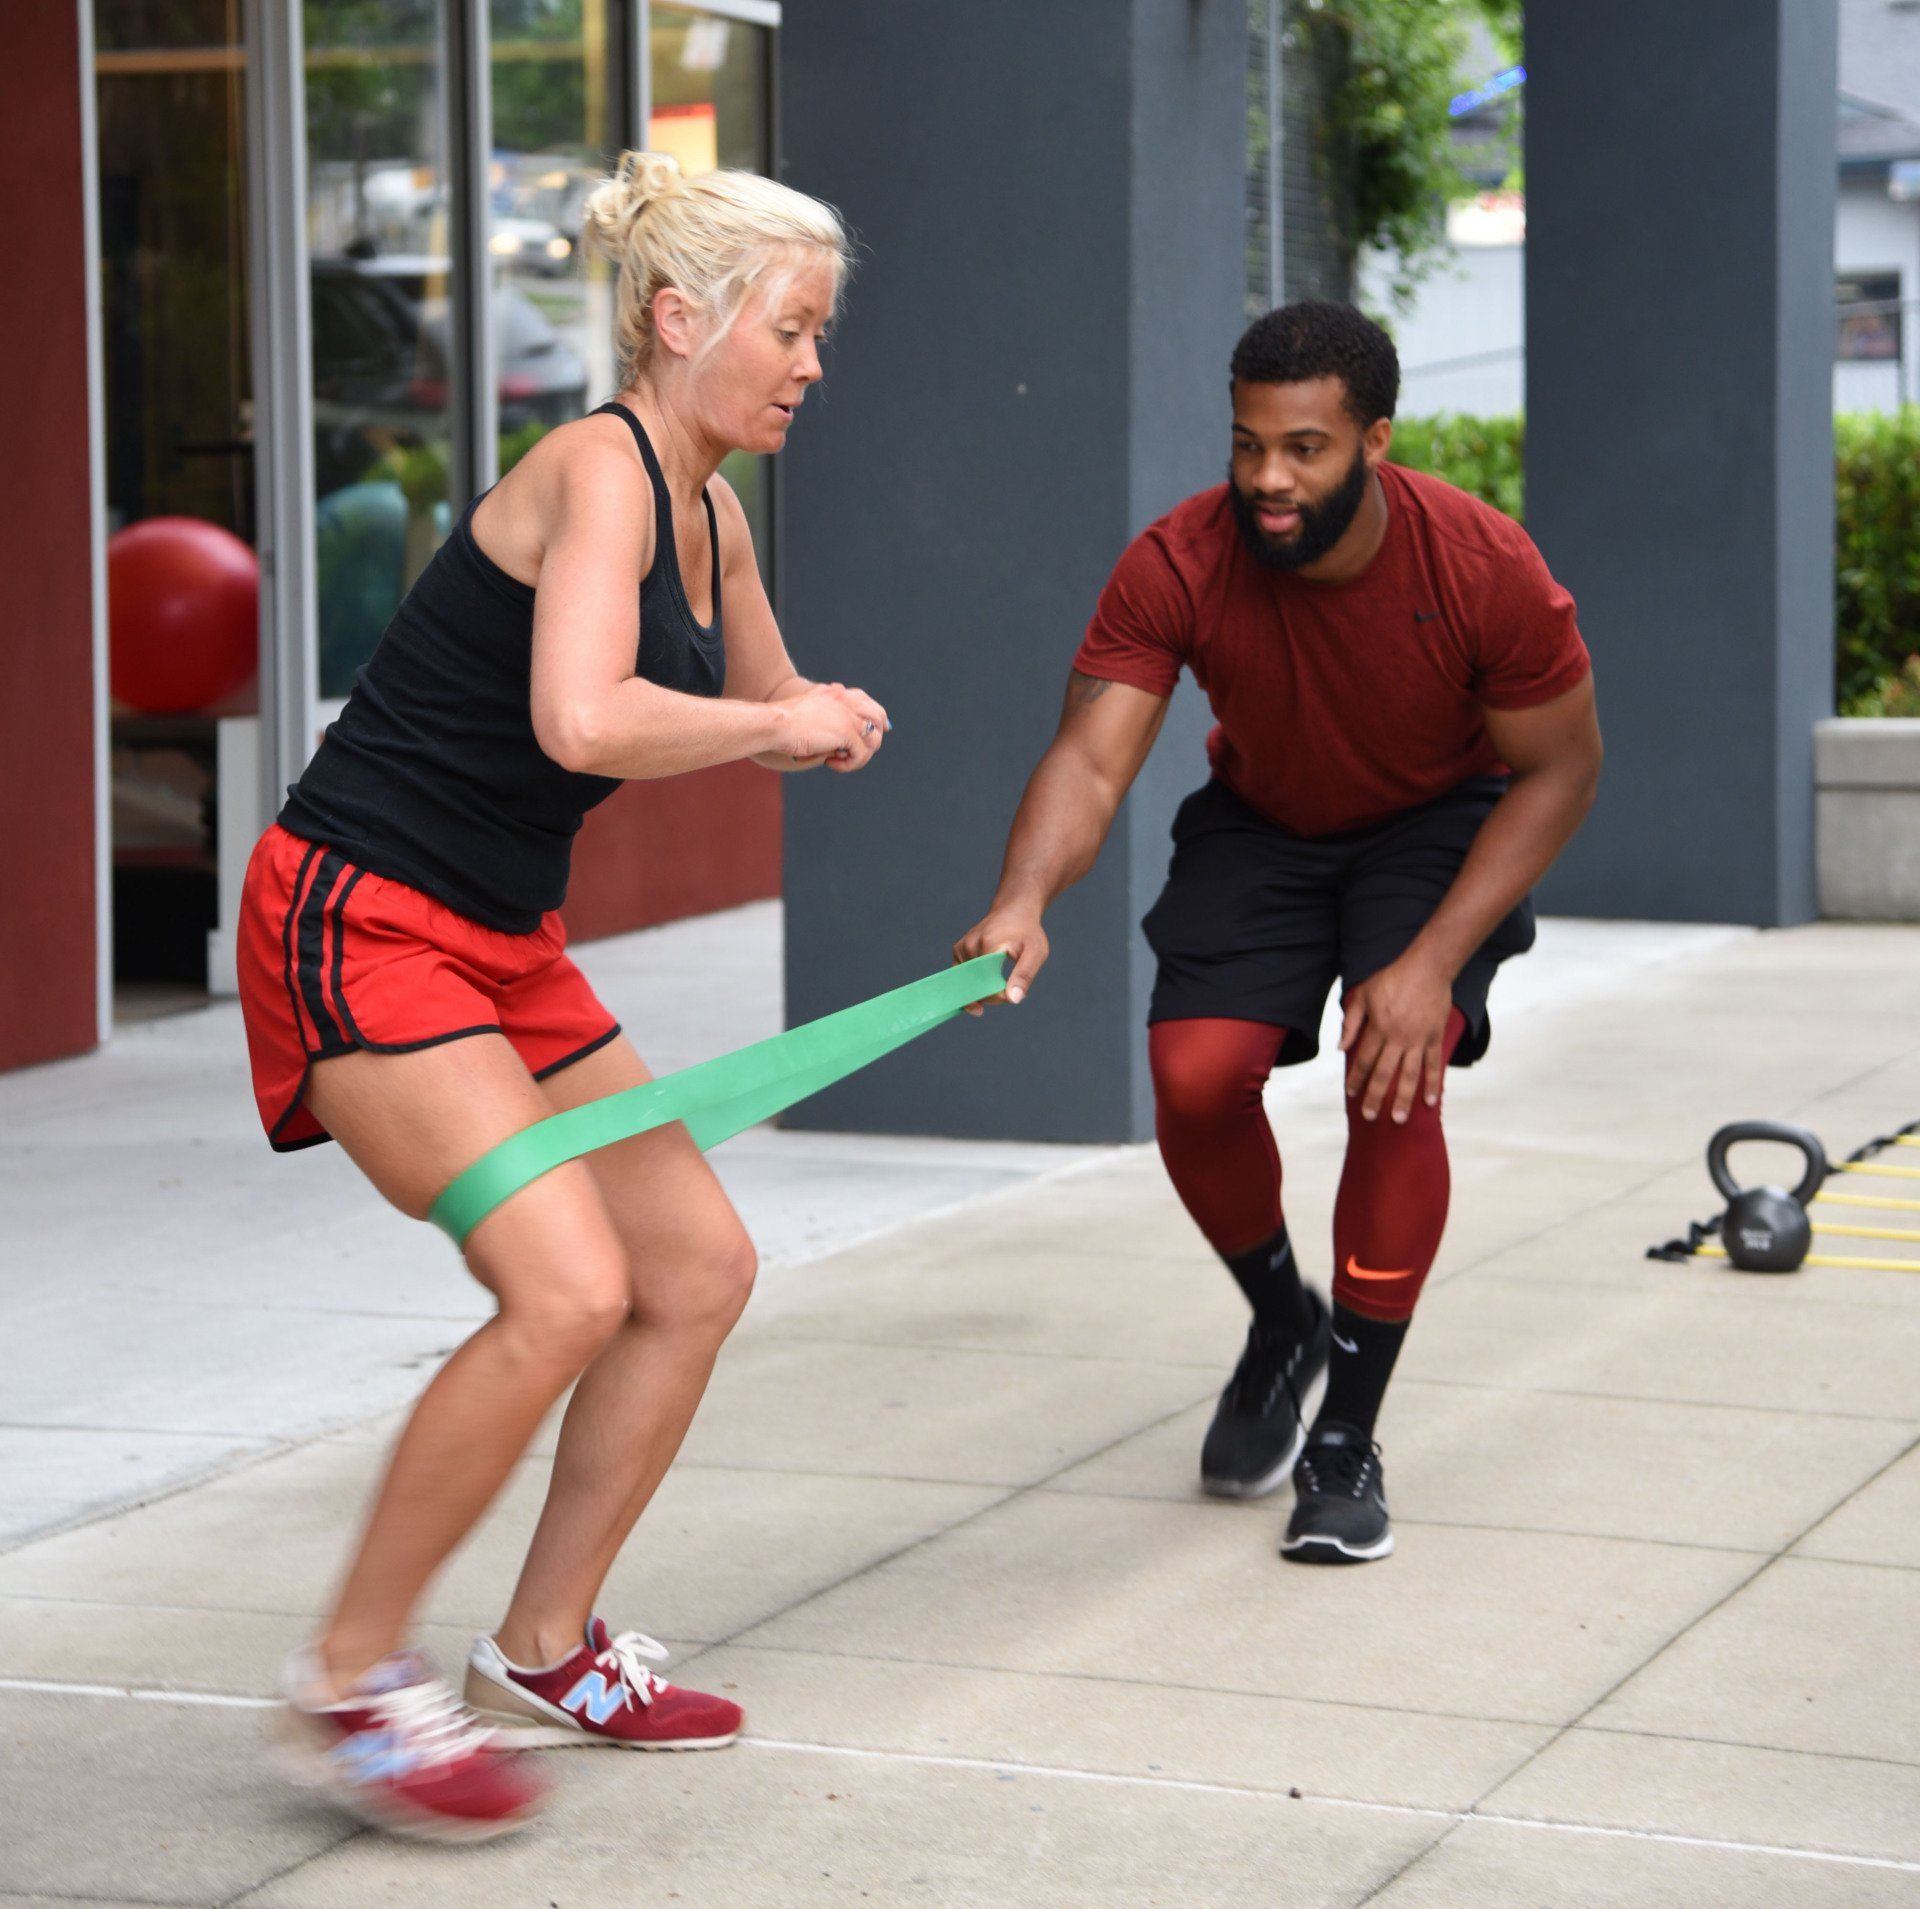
{"x": 47, "y": 876}
{"x": 655, "y": 851}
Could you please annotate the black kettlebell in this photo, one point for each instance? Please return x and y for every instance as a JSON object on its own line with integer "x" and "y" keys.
{"x": 1764, "y": 1229}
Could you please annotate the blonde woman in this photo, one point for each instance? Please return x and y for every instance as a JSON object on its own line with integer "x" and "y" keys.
{"x": 596, "y": 616}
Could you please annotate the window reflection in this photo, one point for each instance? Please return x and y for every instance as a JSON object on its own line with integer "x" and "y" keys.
{"x": 182, "y": 600}
{"x": 378, "y": 222}
{"x": 710, "y": 97}
{"x": 1869, "y": 313}
{"x": 712, "y": 107}
{"x": 173, "y": 184}
{"x": 555, "y": 105}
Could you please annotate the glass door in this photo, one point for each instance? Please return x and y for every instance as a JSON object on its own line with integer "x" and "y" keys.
{"x": 559, "y": 104}
{"x": 381, "y": 239}
{"x": 712, "y": 106}
{"x": 182, "y": 578}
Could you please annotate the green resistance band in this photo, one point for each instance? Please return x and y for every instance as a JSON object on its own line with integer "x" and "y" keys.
{"x": 720, "y": 1098}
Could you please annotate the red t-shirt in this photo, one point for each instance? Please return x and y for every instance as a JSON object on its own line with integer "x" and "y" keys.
{"x": 1340, "y": 704}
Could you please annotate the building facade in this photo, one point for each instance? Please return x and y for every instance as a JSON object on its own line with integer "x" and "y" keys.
{"x": 295, "y": 279}
{"x": 1463, "y": 340}
{"x": 309, "y": 279}
{"x": 314, "y": 279}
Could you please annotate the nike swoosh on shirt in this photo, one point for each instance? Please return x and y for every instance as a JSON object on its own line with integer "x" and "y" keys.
{"x": 1356, "y": 1271}
{"x": 1425, "y": 616}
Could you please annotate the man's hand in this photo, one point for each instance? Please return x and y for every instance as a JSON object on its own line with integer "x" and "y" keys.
{"x": 1014, "y": 930}
{"x": 1394, "y": 1035}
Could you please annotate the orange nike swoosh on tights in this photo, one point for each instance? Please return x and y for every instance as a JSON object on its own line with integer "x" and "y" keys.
{"x": 1356, "y": 1271}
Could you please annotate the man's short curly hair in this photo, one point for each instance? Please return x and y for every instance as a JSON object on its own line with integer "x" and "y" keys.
{"x": 1319, "y": 339}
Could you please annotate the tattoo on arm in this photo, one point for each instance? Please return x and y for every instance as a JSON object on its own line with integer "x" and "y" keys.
{"x": 1085, "y": 690}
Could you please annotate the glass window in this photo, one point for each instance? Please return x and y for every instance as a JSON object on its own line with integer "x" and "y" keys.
{"x": 170, "y": 79}
{"x": 378, "y": 225}
{"x": 1868, "y": 305}
{"x": 712, "y": 107}
{"x": 173, "y": 201}
{"x": 556, "y": 108}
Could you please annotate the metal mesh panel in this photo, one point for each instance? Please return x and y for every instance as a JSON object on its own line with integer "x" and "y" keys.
{"x": 1263, "y": 156}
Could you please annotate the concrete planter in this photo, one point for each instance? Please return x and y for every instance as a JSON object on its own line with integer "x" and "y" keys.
{"x": 1867, "y": 778}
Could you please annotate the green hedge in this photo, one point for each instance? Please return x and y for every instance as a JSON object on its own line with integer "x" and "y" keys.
{"x": 1486, "y": 456}
{"x": 1876, "y": 534}
{"x": 1876, "y": 559}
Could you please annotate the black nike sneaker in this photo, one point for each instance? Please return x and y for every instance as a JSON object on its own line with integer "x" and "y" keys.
{"x": 1256, "y": 1432}
{"x": 1340, "y": 1509}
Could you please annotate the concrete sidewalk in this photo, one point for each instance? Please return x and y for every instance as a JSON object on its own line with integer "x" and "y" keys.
{"x": 176, "y": 1299}
{"x": 1649, "y": 1637}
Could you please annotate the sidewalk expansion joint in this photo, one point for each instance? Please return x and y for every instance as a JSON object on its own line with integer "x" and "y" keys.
{"x": 105, "y": 1513}
{"x": 1455, "y": 1819}
{"x": 1654, "y": 1398}
{"x": 1700, "y": 1617}
{"x": 1012, "y": 1771}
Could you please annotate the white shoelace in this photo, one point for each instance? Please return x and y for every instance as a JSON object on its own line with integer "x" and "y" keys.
{"x": 435, "y": 1724}
{"x": 625, "y": 1656}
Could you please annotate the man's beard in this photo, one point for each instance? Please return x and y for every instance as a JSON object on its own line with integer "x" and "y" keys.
{"x": 1322, "y": 525}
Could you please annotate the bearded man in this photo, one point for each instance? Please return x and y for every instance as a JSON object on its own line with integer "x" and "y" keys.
{"x": 1406, "y": 738}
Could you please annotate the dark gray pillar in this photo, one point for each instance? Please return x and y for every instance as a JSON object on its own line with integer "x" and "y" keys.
{"x": 1680, "y": 196}
{"x": 1031, "y": 367}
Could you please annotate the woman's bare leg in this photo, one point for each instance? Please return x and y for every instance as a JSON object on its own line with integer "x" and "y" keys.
{"x": 549, "y": 1254}
{"x": 691, "y": 1266}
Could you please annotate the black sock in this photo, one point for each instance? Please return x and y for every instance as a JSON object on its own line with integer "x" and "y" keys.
{"x": 1271, "y": 1281}
{"x": 1359, "y": 1364}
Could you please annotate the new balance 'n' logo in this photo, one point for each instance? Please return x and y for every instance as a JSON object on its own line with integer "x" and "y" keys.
{"x": 594, "y": 1695}
{"x": 370, "y": 1756}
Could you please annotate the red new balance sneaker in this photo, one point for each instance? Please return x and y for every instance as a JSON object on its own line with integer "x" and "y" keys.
{"x": 403, "y": 1753}
{"x": 603, "y": 1693}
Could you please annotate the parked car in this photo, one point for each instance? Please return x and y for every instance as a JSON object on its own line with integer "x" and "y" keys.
{"x": 530, "y": 245}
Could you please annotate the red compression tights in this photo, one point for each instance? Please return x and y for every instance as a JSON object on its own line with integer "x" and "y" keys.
{"x": 1221, "y": 1157}
{"x": 1213, "y": 1131}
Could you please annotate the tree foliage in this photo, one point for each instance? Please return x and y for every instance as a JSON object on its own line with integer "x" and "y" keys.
{"x": 1388, "y": 130}
{"x": 372, "y": 66}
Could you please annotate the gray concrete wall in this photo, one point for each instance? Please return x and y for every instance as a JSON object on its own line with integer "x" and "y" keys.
{"x": 1680, "y": 184}
{"x": 1868, "y": 818}
{"x": 1032, "y": 365}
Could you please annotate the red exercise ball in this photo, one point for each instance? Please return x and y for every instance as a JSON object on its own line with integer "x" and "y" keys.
{"x": 183, "y": 613}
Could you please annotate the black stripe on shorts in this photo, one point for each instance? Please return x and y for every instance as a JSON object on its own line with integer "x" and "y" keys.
{"x": 286, "y": 940}
{"x": 311, "y": 937}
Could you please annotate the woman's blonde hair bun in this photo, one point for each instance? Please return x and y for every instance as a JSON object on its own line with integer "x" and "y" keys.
{"x": 714, "y": 237}
{"x": 614, "y": 206}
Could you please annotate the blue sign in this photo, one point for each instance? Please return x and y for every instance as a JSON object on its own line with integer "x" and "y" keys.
{"x": 1505, "y": 82}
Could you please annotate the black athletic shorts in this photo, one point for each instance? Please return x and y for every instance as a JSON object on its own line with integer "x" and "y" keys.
{"x": 1256, "y": 924}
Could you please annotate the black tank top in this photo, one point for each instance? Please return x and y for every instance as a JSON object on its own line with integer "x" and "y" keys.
{"x": 431, "y": 775}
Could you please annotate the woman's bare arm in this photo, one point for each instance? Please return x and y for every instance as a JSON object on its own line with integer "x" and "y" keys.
{"x": 591, "y": 712}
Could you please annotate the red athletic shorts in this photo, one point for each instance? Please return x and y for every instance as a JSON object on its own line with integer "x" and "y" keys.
{"x": 334, "y": 957}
